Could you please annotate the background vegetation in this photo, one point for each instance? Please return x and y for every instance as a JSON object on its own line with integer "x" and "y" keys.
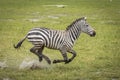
{"x": 97, "y": 58}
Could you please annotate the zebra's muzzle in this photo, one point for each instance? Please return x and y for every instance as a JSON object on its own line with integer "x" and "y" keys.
{"x": 92, "y": 33}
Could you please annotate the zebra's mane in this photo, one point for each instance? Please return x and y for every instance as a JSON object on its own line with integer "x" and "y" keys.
{"x": 74, "y": 23}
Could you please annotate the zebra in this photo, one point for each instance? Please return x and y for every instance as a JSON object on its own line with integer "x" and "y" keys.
{"x": 62, "y": 40}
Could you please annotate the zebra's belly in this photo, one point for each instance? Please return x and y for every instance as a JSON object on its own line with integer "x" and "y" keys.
{"x": 54, "y": 44}
{"x": 60, "y": 44}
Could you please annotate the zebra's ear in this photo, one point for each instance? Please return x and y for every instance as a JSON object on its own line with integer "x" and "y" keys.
{"x": 85, "y": 18}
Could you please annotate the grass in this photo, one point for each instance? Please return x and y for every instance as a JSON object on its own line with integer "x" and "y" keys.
{"x": 97, "y": 58}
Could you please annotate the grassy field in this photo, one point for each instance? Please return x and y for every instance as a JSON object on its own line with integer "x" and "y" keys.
{"x": 97, "y": 58}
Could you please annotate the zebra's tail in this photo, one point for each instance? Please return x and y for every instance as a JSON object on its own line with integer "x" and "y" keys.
{"x": 19, "y": 43}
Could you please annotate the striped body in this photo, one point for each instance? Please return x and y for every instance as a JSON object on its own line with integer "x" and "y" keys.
{"x": 62, "y": 40}
{"x": 54, "y": 39}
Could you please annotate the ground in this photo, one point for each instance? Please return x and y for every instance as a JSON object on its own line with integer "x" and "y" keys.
{"x": 97, "y": 57}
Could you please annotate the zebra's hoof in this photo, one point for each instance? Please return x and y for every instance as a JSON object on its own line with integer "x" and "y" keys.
{"x": 49, "y": 62}
{"x": 66, "y": 62}
{"x": 55, "y": 61}
{"x": 40, "y": 59}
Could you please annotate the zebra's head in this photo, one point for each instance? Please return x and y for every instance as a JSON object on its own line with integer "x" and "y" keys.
{"x": 86, "y": 28}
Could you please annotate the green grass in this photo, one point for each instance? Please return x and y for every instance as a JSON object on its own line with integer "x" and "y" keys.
{"x": 97, "y": 58}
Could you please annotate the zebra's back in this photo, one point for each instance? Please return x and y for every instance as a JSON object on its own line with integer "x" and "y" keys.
{"x": 49, "y": 38}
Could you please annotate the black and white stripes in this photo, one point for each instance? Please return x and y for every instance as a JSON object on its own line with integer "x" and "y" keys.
{"x": 49, "y": 38}
{"x": 62, "y": 40}
{"x": 54, "y": 39}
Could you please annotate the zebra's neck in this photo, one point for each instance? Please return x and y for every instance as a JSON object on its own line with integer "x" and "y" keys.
{"x": 74, "y": 32}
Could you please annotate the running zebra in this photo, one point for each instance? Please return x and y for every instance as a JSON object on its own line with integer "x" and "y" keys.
{"x": 62, "y": 40}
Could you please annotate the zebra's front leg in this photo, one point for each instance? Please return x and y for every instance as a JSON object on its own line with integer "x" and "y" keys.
{"x": 73, "y": 53}
{"x": 64, "y": 60}
{"x": 64, "y": 54}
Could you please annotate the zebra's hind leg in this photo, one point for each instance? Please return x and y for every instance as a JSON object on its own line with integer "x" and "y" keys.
{"x": 47, "y": 59}
{"x": 35, "y": 51}
{"x": 38, "y": 52}
{"x": 42, "y": 55}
